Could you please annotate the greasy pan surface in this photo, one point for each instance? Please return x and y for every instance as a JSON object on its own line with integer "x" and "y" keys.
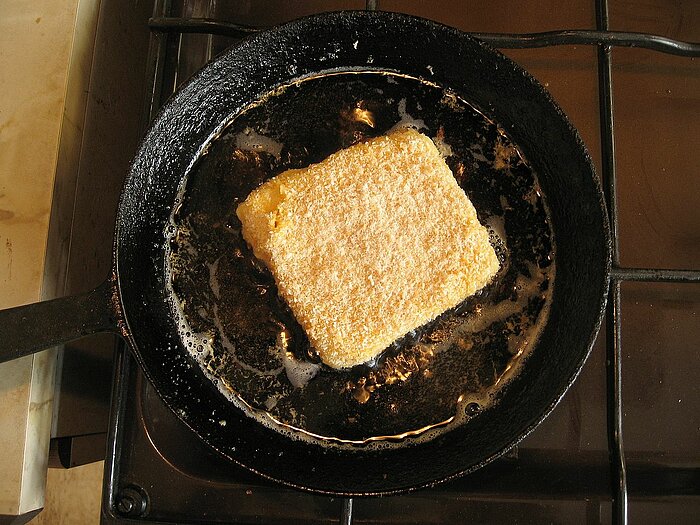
{"x": 368, "y": 42}
{"x": 248, "y": 340}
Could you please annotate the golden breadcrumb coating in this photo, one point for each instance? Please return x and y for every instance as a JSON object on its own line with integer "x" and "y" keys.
{"x": 370, "y": 243}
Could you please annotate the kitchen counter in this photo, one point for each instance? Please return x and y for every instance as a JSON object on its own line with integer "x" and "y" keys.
{"x": 45, "y": 54}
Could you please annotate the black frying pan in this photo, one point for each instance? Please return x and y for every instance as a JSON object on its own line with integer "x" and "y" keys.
{"x": 136, "y": 302}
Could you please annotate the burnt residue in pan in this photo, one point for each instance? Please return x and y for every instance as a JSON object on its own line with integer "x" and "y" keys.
{"x": 246, "y": 339}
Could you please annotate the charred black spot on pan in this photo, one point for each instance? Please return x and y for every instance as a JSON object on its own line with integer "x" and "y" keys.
{"x": 309, "y": 121}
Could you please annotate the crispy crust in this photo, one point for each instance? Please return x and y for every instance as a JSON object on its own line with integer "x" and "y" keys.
{"x": 369, "y": 244}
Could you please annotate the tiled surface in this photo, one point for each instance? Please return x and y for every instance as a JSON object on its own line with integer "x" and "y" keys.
{"x": 672, "y": 18}
{"x": 657, "y": 101}
{"x": 506, "y": 16}
{"x": 660, "y": 334}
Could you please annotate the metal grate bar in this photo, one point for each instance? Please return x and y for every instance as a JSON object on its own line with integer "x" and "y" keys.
{"x": 346, "y": 512}
{"x": 209, "y": 26}
{"x": 658, "y": 275}
{"x": 585, "y": 37}
{"x": 503, "y": 40}
{"x": 613, "y": 346}
{"x": 613, "y": 321}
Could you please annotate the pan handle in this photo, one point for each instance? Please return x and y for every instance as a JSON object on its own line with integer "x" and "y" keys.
{"x": 28, "y": 329}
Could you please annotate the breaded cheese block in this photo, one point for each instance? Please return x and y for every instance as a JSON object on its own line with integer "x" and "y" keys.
{"x": 369, "y": 244}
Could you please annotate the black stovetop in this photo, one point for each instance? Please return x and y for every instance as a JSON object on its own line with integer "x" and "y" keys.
{"x": 568, "y": 469}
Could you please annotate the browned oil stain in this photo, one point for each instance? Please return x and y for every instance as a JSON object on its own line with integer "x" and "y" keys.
{"x": 395, "y": 369}
{"x": 9, "y": 122}
{"x": 11, "y": 218}
{"x": 504, "y": 153}
{"x": 8, "y": 245}
{"x": 37, "y": 20}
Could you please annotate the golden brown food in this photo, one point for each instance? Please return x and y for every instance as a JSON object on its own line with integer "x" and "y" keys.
{"x": 369, "y": 244}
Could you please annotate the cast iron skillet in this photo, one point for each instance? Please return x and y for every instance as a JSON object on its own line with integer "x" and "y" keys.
{"x": 134, "y": 301}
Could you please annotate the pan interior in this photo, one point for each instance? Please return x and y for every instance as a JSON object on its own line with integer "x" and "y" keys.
{"x": 243, "y": 335}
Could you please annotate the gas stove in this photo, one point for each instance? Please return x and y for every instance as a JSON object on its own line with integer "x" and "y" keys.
{"x": 623, "y": 443}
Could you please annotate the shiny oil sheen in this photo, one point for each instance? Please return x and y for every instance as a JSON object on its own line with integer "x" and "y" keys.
{"x": 247, "y": 341}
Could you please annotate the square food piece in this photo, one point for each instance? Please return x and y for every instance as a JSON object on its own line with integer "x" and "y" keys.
{"x": 370, "y": 243}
